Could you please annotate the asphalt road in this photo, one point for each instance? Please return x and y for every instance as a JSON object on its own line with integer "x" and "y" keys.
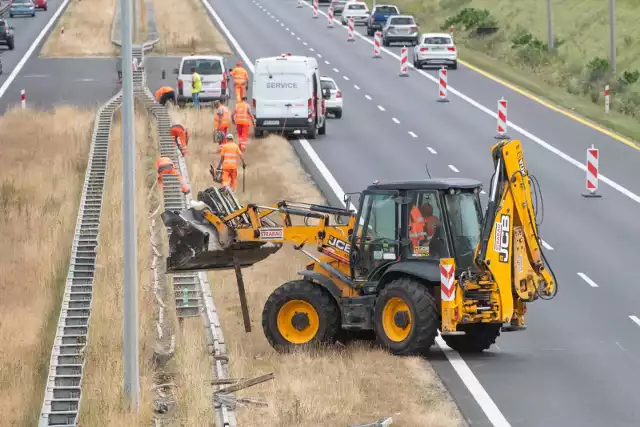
{"x": 577, "y": 362}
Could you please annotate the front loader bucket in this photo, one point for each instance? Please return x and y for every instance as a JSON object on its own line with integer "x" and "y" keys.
{"x": 196, "y": 245}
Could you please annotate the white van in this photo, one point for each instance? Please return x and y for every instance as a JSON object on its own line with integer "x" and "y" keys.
{"x": 215, "y": 79}
{"x": 288, "y": 96}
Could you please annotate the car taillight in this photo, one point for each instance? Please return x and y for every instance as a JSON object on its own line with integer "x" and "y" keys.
{"x": 424, "y": 49}
{"x": 413, "y": 28}
{"x": 390, "y": 27}
{"x": 223, "y": 84}
{"x": 451, "y": 49}
{"x": 339, "y": 94}
{"x": 310, "y": 107}
{"x": 254, "y": 103}
{"x": 180, "y": 84}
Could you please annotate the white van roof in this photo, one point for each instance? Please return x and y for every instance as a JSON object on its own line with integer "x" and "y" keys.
{"x": 288, "y": 58}
{"x": 218, "y": 57}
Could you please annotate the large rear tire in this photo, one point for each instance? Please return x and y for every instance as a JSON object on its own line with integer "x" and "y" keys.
{"x": 406, "y": 317}
{"x": 299, "y": 314}
{"x": 478, "y": 337}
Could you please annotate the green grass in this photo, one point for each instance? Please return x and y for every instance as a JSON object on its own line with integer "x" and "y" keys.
{"x": 564, "y": 77}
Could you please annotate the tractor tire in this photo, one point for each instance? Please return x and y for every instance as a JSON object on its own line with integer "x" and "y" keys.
{"x": 401, "y": 296}
{"x": 313, "y": 308}
{"x": 478, "y": 337}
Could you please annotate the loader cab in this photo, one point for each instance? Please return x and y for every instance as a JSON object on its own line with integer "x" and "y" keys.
{"x": 410, "y": 226}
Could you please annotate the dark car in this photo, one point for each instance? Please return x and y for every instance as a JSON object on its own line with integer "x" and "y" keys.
{"x": 6, "y": 34}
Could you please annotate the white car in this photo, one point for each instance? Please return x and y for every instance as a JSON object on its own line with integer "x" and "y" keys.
{"x": 333, "y": 104}
{"x": 358, "y": 10}
{"x": 435, "y": 49}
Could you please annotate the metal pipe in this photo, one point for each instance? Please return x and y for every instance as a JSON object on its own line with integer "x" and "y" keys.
{"x": 612, "y": 30}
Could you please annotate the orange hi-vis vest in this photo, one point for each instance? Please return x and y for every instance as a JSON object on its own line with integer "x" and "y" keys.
{"x": 162, "y": 91}
{"x": 164, "y": 166}
{"x": 181, "y": 137}
{"x": 243, "y": 113}
{"x": 230, "y": 153}
{"x": 222, "y": 118}
{"x": 240, "y": 76}
{"x": 417, "y": 232}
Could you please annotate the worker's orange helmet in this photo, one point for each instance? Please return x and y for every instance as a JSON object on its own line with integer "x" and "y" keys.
{"x": 239, "y": 63}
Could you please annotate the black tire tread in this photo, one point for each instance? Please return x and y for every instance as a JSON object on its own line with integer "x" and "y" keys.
{"x": 478, "y": 337}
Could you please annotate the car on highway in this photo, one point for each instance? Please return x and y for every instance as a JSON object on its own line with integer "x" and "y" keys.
{"x": 358, "y": 10}
{"x": 334, "y": 103}
{"x": 435, "y": 49}
{"x": 40, "y": 4}
{"x": 400, "y": 29}
{"x": 379, "y": 15}
{"x": 6, "y": 34}
{"x": 338, "y": 6}
{"x": 22, "y": 8}
{"x": 212, "y": 70}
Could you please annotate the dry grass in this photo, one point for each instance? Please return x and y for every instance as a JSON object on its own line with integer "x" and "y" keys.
{"x": 187, "y": 29}
{"x": 333, "y": 387}
{"x": 42, "y": 172}
{"x": 102, "y": 399}
{"x": 87, "y": 29}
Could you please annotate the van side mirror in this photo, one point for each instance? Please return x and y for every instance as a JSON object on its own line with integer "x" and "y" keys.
{"x": 326, "y": 94}
{"x": 175, "y": 71}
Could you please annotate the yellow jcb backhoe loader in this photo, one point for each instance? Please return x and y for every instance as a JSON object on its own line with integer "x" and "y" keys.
{"x": 417, "y": 257}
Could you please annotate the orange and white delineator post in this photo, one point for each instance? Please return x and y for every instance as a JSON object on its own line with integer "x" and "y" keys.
{"x": 450, "y": 296}
{"x": 404, "y": 62}
{"x": 315, "y": 9}
{"x": 377, "y": 41}
{"x": 330, "y": 17}
{"x": 593, "y": 156}
{"x": 352, "y": 25}
{"x": 23, "y": 98}
{"x": 502, "y": 120}
{"x": 442, "y": 85}
{"x": 606, "y": 99}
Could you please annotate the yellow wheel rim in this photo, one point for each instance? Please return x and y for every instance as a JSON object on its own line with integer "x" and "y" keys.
{"x": 396, "y": 307}
{"x": 298, "y": 321}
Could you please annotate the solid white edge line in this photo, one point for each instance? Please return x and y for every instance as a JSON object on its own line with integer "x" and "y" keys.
{"x": 459, "y": 365}
{"x": 453, "y": 168}
{"x": 588, "y": 280}
{"x": 34, "y": 46}
{"x": 630, "y": 194}
{"x": 635, "y": 319}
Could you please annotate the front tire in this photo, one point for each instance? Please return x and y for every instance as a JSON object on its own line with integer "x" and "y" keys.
{"x": 298, "y": 314}
{"x": 406, "y": 317}
{"x": 478, "y": 337}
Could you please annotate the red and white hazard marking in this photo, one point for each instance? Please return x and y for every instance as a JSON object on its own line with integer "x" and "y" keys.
{"x": 502, "y": 118}
{"x": 442, "y": 85}
{"x": 404, "y": 61}
{"x": 352, "y": 25}
{"x": 447, "y": 282}
{"x": 376, "y": 44}
{"x": 315, "y": 9}
{"x": 330, "y": 17}
{"x": 23, "y": 98}
{"x": 606, "y": 99}
{"x": 593, "y": 155}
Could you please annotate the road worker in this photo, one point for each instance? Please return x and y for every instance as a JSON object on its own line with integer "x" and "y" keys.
{"x": 242, "y": 118}
{"x": 229, "y": 154}
{"x": 422, "y": 226}
{"x": 180, "y": 137}
{"x": 196, "y": 87}
{"x": 164, "y": 166}
{"x": 240, "y": 81}
{"x": 221, "y": 122}
{"x": 164, "y": 94}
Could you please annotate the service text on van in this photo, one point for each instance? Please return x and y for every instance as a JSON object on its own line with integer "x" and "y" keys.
{"x": 282, "y": 85}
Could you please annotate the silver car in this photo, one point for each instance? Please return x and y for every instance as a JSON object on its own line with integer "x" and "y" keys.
{"x": 338, "y": 6}
{"x": 400, "y": 29}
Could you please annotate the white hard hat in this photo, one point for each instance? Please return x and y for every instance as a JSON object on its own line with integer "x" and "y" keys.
{"x": 230, "y": 137}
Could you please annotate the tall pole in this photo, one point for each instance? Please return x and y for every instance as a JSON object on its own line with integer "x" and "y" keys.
{"x": 134, "y": 20}
{"x": 549, "y": 25}
{"x": 130, "y": 322}
{"x": 612, "y": 29}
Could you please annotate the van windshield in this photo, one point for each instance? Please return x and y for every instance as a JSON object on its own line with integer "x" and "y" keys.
{"x": 282, "y": 86}
{"x": 205, "y": 67}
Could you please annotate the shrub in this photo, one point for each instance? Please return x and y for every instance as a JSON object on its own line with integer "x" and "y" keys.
{"x": 470, "y": 19}
{"x": 597, "y": 69}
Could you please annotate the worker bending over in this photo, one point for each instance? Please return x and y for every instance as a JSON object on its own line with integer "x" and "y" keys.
{"x": 164, "y": 94}
{"x": 242, "y": 118}
{"x": 240, "y": 81}
{"x": 221, "y": 122}
{"x": 229, "y": 154}
{"x": 180, "y": 137}
{"x": 164, "y": 166}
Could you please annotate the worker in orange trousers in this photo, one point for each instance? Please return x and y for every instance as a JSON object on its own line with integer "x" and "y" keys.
{"x": 221, "y": 121}
{"x": 164, "y": 166}
{"x": 229, "y": 155}
{"x": 240, "y": 81}
{"x": 242, "y": 118}
{"x": 180, "y": 137}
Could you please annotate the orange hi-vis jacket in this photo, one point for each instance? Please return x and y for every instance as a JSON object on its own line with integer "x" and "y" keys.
{"x": 417, "y": 225}
{"x": 242, "y": 113}
{"x": 230, "y": 153}
{"x": 181, "y": 138}
{"x": 222, "y": 118}
{"x": 164, "y": 166}
{"x": 240, "y": 76}
{"x": 162, "y": 91}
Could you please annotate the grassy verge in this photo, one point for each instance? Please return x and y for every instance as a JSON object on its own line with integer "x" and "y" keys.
{"x": 187, "y": 30}
{"x": 40, "y": 187}
{"x": 333, "y": 387}
{"x": 87, "y": 29}
{"x": 573, "y": 74}
{"x": 102, "y": 399}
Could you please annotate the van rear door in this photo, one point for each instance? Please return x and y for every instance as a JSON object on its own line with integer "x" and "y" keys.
{"x": 281, "y": 95}
{"x": 211, "y": 72}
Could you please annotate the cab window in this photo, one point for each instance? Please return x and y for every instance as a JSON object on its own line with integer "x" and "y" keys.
{"x": 425, "y": 225}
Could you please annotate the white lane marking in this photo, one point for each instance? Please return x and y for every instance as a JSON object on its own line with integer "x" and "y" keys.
{"x": 547, "y": 246}
{"x": 368, "y": 97}
{"x": 381, "y": 108}
{"x": 635, "y": 319}
{"x": 356, "y": 87}
{"x": 32, "y": 48}
{"x": 318, "y": 55}
{"x": 588, "y": 280}
{"x": 312, "y": 49}
{"x": 464, "y": 372}
{"x": 395, "y": 120}
{"x": 298, "y": 38}
{"x": 413, "y": 134}
{"x": 620, "y": 346}
{"x": 432, "y": 151}
{"x": 326, "y": 62}
{"x": 336, "y": 70}
{"x": 580, "y": 165}
{"x": 346, "y": 78}
{"x": 453, "y": 168}
{"x": 304, "y": 43}
{"x": 36, "y": 76}
{"x": 282, "y": 25}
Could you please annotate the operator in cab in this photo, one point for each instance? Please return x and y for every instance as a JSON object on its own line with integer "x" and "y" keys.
{"x": 422, "y": 227}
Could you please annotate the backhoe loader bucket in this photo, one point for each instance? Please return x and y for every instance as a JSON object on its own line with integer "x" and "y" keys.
{"x": 196, "y": 245}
